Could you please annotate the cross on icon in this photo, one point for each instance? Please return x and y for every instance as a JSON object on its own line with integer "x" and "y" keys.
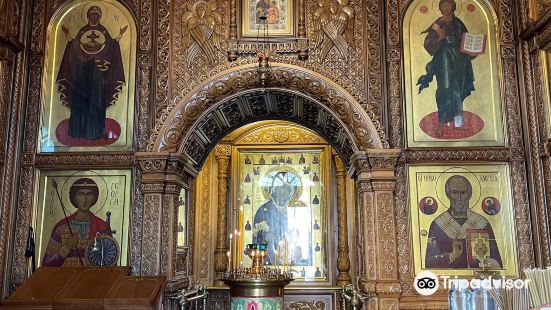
{"x": 480, "y": 248}
{"x": 93, "y": 36}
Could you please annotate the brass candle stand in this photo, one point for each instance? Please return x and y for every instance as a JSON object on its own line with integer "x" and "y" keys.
{"x": 257, "y": 284}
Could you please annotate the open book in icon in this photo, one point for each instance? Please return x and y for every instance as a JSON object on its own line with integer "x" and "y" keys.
{"x": 473, "y": 44}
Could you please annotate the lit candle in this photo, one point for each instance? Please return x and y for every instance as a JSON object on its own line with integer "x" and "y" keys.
{"x": 285, "y": 254}
{"x": 237, "y": 247}
{"x": 275, "y": 257}
{"x": 230, "y": 266}
{"x": 229, "y": 261}
{"x": 235, "y": 250}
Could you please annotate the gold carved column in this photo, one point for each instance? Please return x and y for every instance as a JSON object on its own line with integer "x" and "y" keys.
{"x": 222, "y": 152}
{"x": 163, "y": 175}
{"x": 377, "y": 241}
{"x": 343, "y": 260}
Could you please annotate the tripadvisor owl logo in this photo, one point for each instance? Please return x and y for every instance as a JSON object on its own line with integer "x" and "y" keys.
{"x": 426, "y": 283}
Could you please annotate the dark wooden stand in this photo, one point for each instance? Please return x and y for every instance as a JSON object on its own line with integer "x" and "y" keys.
{"x": 87, "y": 288}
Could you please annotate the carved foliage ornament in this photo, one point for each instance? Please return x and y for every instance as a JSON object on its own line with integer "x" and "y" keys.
{"x": 333, "y": 27}
{"x": 308, "y": 305}
{"x": 349, "y": 74}
{"x": 281, "y": 134}
{"x": 202, "y": 31}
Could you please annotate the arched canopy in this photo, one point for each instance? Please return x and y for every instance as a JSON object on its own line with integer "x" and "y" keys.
{"x": 234, "y": 98}
{"x": 254, "y": 105}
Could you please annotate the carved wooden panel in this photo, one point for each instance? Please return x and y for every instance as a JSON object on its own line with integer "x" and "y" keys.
{"x": 15, "y": 67}
{"x": 41, "y": 13}
{"x": 534, "y": 32}
{"x": 136, "y": 218}
{"x": 5, "y": 104}
{"x": 538, "y": 9}
{"x": 151, "y": 242}
{"x": 536, "y": 116}
{"x": 386, "y": 233}
{"x": 309, "y": 302}
{"x": 350, "y": 73}
{"x": 280, "y": 135}
{"x": 205, "y": 225}
{"x": 5, "y": 91}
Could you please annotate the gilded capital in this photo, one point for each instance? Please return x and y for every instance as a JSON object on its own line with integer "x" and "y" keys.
{"x": 383, "y": 159}
{"x": 374, "y": 164}
{"x": 159, "y": 171}
{"x": 221, "y": 150}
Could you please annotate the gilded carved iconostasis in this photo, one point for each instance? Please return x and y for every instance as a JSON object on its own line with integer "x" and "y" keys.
{"x": 337, "y": 129}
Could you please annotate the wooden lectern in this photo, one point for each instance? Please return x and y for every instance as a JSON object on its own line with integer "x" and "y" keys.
{"x": 87, "y": 288}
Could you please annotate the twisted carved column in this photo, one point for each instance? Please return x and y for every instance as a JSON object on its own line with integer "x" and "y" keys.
{"x": 222, "y": 154}
{"x": 377, "y": 241}
{"x": 343, "y": 260}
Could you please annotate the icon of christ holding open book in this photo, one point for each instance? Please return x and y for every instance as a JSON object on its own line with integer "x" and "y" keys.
{"x": 452, "y": 48}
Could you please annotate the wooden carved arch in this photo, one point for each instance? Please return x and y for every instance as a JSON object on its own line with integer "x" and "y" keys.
{"x": 235, "y": 97}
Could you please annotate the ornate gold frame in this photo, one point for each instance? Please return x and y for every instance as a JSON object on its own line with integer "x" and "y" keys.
{"x": 546, "y": 70}
{"x": 508, "y": 246}
{"x": 325, "y": 165}
{"x": 290, "y": 24}
{"x": 119, "y": 221}
{"x": 53, "y": 52}
{"x": 415, "y": 137}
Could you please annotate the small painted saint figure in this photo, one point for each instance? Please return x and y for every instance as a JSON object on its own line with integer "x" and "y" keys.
{"x": 273, "y": 13}
{"x": 315, "y": 178}
{"x": 262, "y": 8}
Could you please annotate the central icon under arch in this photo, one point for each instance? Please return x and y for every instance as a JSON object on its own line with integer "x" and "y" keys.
{"x": 281, "y": 198}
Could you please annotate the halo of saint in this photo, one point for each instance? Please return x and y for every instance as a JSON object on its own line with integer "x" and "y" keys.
{"x": 471, "y": 177}
{"x": 103, "y": 190}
